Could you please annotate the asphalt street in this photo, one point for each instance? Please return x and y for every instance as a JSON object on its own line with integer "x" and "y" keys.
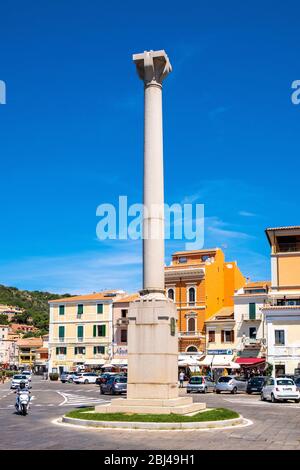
{"x": 275, "y": 426}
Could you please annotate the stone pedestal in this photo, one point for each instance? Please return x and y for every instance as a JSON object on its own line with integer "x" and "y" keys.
{"x": 152, "y": 361}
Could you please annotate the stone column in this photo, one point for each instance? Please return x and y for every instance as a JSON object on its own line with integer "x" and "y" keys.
{"x": 153, "y": 67}
{"x": 152, "y": 332}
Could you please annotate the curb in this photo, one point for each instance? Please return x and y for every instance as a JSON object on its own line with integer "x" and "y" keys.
{"x": 157, "y": 426}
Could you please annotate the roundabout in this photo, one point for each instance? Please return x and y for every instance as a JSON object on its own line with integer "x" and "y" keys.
{"x": 218, "y": 418}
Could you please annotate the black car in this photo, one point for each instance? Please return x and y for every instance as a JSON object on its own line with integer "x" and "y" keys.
{"x": 297, "y": 382}
{"x": 255, "y": 384}
{"x": 115, "y": 384}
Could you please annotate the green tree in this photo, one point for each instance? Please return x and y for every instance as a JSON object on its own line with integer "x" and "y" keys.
{"x": 4, "y": 319}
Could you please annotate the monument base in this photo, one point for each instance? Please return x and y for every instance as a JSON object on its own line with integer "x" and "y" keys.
{"x": 180, "y": 405}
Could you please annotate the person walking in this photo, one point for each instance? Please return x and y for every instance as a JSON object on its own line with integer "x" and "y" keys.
{"x": 181, "y": 379}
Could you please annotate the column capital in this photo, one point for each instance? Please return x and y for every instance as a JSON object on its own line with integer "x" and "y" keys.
{"x": 152, "y": 66}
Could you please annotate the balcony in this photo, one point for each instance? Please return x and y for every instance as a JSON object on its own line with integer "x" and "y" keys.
{"x": 248, "y": 317}
{"x": 288, "y": 247}
{"x": 253, "y": 343}
{"x": 122, "y": 321}
{"x": 190, "y": 334}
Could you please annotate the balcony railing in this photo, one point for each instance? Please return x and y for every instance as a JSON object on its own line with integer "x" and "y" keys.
{"x": 248, "y": 317}
{"x": 189, "y": 334}
{"x": 253, "y": 341}
{"x": 288, "y": 247}
{"x": 122, "y": 321}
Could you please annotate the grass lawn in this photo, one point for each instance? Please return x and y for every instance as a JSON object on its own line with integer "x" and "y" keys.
{"x": 217, "y": 414}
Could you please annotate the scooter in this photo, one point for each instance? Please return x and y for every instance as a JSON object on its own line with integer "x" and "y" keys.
{"x": 22, "y": 403}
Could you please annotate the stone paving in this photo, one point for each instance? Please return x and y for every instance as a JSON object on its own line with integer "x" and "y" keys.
{"x": 275, "y": 426}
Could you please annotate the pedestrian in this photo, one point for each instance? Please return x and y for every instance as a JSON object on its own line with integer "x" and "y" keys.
{"x": 181, "y": 379}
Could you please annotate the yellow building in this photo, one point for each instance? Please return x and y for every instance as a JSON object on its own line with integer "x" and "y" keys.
{"x": 80, "y": 331}
{"x": 282, "y": 315}
{"x": 201, "y": 283}
{"x": 27, "y": 351}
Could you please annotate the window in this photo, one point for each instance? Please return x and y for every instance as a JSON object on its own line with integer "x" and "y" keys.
{"x": 99, "y": 308}
{"x": 192, "y": 295}
{"x": 124, "y": 313}
{"x": 99, "y": 330}
{"x": 61, "y": 333}
{"x": 252, "y": 332}
{"x": 279, "y": 337}
{"x": 182, "y": 259}
{"x": 61, "y": 309}
{"x": 79, "y": 309}
{"x": 80, "y": 332}
{"x": 252, "y": 311}
{"x": 123, "y": 336}
{"x": 171, "y": 294}
{"x": 192, "y": 349}
{"x": 227, "y": 336}
{"x": 99, "y": 349}
{"x": 61, "y": 351}
{"x": 211, "y": 336}
{"x": 79, "y": 350}
{"x": 191, "y": 324}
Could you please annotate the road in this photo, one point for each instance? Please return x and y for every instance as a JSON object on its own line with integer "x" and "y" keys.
{"x": 275, "y": 426}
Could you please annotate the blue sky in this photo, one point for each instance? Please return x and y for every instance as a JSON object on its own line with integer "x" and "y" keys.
{"x": 71, "y": 132}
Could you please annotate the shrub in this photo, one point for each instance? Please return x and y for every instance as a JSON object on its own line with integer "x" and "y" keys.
{"x": 53, "y": 376}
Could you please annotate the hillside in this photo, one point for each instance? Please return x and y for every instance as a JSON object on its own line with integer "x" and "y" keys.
{"x": 35, "y": 304}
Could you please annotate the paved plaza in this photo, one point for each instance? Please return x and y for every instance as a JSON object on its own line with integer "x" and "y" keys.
{"x": 275, "y": 426}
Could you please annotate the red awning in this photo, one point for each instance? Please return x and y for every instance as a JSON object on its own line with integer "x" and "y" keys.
{"x": 250, "y": 361}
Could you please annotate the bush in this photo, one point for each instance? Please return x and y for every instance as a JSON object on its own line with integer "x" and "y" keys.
{"x": 53, "y": 376}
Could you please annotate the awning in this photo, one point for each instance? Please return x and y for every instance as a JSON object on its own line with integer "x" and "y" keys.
{"x": 94, "y": 362}
{"x": 194, "y": 368}
{"x": 250, "y": 361}
{"x": 224, "y": 361}
{"x": 119, "y": 362}
{"x": 206, "y": 361}
{"x": 187, "y": 361}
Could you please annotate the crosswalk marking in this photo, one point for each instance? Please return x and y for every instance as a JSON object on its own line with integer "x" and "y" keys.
{"x": 72, "y": 400}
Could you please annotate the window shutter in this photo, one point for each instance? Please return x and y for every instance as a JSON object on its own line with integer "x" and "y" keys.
{"x": 61, "y": 309}
{"x": 100, "y": 308}
{"x": 75, "y": 350}
{"x": 79, "y": 309}
{"x": 61, "y": 332}
{"x": 232, "y": 336}
{"x": 95, "y": 331}
{"x": 222, "y": 336}
{"x": 252, "y": 311}
{"x": 80, "y": 331}
{"x": 57, "y": 351}
{"x": 102, "y": 330}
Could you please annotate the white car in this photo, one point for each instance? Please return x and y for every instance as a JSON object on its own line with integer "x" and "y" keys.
{"x": 28, "y": 374}
{"x": 85, "y": 378}
{"x": 282, "y": 389}
{"x": 15, "y": 382}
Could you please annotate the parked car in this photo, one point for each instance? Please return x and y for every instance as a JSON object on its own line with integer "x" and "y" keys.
{"x": 17, "y": 379}
{"x": 67, "y": 377}
{"x": 200, "y": 383}
{"x": 115, "y": 384}
{"x": 297, "y": 383}
{"x": 282, "y": 389}
{"x": 104, "y": 377}
{"x": 231, "y": 383}
{"x": 255, "y": 384}
{"x": 85, "y": 378}
{"x": 28, "y": 374}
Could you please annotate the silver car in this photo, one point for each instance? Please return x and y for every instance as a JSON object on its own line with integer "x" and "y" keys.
{"x": 200, "y": 383}
{"x": 231, "y": 383}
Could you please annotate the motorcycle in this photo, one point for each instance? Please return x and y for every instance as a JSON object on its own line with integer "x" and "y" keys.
{"x": 22, "y": 404}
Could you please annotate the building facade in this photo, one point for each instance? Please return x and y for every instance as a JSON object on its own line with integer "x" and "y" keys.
{"x": 80, "y": 331}
{"x": 249, "y": 319}
{"x": 200, "y": 282}
{"x": 282, "y": 314}
{"x": 27, "y": 351}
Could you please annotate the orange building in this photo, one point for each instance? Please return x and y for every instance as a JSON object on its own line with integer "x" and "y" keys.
{"x": 200, "y": 282}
